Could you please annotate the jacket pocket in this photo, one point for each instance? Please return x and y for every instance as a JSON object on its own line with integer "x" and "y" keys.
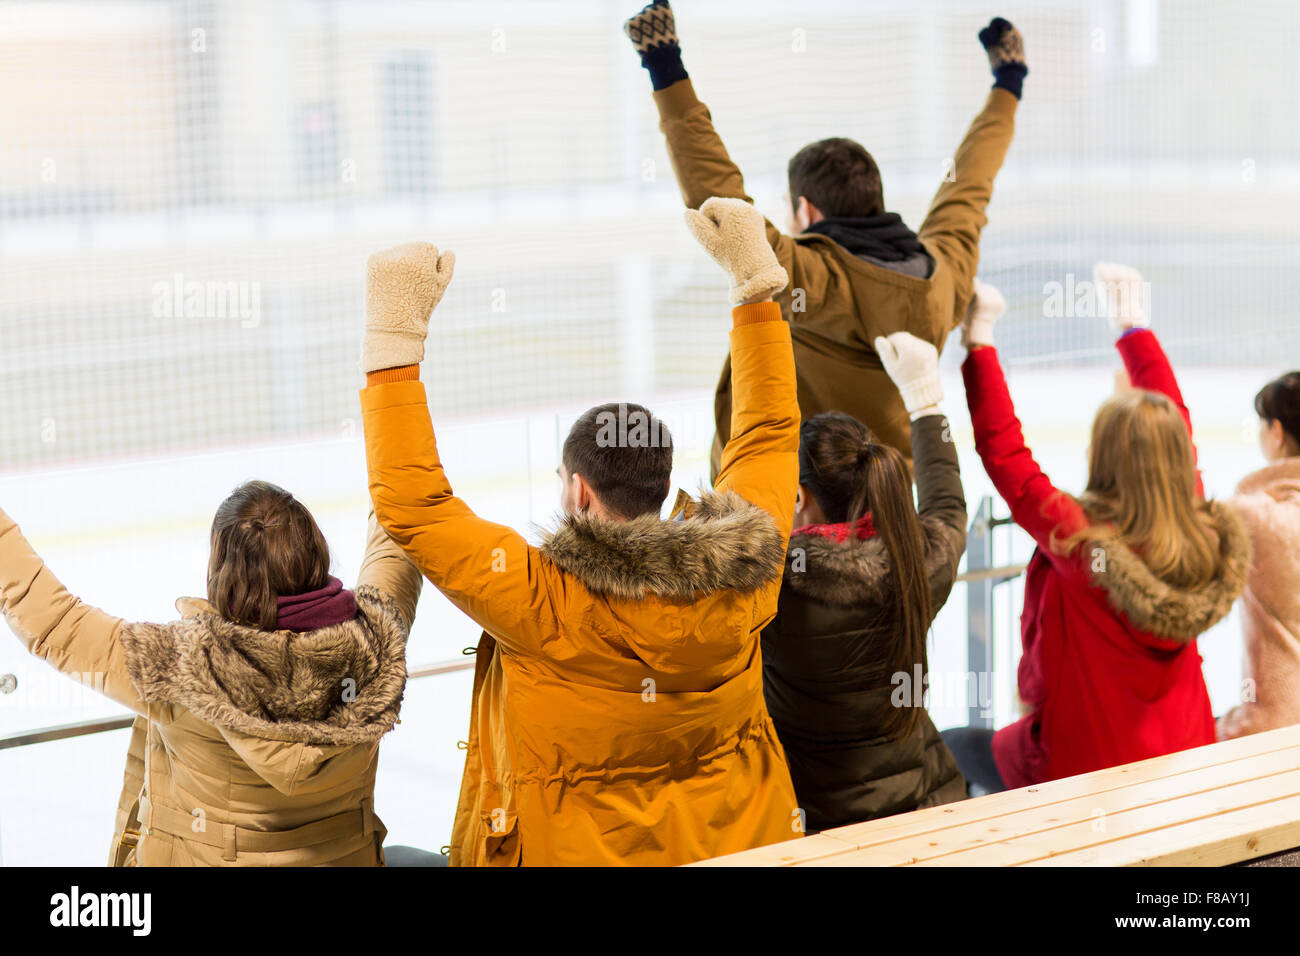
{"x": 500, "y": 838}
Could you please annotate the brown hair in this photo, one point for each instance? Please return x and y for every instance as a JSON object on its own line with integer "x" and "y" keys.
{"x": 1279, "y": 401}
{"x": 625, "y": 454}
{"x": 1142, "y": 492}
{"x": 264, "y": 544}
{"x": 838, "y": 176}
{"x": 852, "y": 475}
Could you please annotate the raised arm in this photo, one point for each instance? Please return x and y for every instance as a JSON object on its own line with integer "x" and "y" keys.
{"x": 699, "y": 159}
{"x": 73, "y": 637}
{"x": 760, "y": 461}
{"x": 956, "y": 216}
{"x": 913, "y": 365}
{"x": 1145, "y": 362}
{"x": 387, "y": 568}
{"x": 487, "y": 570}
{"x": 1036, "y": 504}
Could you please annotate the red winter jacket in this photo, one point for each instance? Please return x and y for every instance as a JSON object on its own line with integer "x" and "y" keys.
{"x": 1110, "y": 667}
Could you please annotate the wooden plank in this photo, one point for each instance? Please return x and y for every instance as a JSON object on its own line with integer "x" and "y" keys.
{"x": 1072, "y": 824}
{"x": 1218, "y": 841}
{"x": 996, "y": 809}
{"x": 1122, "y": 826}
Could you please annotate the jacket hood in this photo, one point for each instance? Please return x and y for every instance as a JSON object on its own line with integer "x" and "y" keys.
{"x": 1166, "y": 611}
{"x": 851, "y": 574}
{"x": 721, "y": 542}
{"x": 277, "y": 686}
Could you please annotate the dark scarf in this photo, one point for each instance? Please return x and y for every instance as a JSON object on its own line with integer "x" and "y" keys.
{"x": 323, "y": 607}
{"x": 884, "y": 237}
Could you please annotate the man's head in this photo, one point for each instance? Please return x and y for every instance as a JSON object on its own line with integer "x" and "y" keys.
{"x": 616, "y": 462}
{"x": 832, "y": 178}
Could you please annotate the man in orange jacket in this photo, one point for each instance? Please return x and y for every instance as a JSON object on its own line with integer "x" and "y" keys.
{"x": 618, "y": 712}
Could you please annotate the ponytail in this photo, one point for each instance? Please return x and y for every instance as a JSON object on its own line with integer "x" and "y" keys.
{"x": 854, "y": 477}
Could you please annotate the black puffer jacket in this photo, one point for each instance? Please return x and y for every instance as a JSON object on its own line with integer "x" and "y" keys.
{"x": 821, "y": 647}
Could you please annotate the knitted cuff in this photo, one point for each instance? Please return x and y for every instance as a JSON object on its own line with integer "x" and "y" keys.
{"x": 403, "y": 373}
{"x": 1011, "y": 78}
{"x": 665, "y": 65}
{"x": 921, "y": 394}
{"x": 755, "y": 312}
{"x": 926, "y": 412}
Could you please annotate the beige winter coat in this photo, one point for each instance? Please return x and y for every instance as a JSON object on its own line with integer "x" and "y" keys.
{"x": 1269, "y": 501}
{"x": 252, "y": 748}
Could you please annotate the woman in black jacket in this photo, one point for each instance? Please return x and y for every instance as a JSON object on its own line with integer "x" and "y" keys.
{"x": 845, "y": 657}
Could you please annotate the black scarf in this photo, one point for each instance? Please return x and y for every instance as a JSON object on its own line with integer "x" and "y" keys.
{"x": 884, "y": 237}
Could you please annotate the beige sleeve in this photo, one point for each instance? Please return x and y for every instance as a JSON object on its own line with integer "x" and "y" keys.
{"x": 387, "y": 568}
{"x": 73, "y": 637}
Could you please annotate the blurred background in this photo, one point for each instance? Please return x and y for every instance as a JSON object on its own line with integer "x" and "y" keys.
{"x": 189, "y": 190}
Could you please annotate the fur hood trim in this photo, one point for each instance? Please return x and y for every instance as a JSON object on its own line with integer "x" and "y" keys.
{"x": 277, "y": 685}
{"x": 1158, "y": 608}
{"x": 844, "y": 573}
{"x": 722, "y": 542}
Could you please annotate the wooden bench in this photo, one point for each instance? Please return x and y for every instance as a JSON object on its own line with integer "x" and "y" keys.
{"x": 1213, "y": 806}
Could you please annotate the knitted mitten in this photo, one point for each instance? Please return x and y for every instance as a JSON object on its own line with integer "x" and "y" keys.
{"x": 654, "y": 34}
{"x": 1121, "y": 288}
{"x": 913, "y": 365}
{"x": 1006, "y": 49}
{"x": 734, "y": 234}
{"x": 403, "y": 284}
{"x": 986, "y": 307}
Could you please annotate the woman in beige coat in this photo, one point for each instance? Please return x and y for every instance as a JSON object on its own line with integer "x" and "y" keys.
{"x": 1269, "y": 501}
{"x": 261, "y": 709}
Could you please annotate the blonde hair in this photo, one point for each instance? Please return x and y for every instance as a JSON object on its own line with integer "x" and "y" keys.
{"x": 1142, "y": 490}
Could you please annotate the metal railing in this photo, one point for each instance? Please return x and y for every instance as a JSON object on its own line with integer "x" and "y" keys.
{"x": 980, "y": 577}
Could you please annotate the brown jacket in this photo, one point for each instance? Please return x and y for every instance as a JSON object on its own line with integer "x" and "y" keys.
{"x": 847, "y": 301}
{"x": 617, "y": 713}
{"x": 1269, "y": 502}
{"x": 248, "y": 750}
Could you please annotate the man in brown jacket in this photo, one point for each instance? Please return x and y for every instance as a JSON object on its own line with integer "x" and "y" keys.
{"x": 856, "y": 272}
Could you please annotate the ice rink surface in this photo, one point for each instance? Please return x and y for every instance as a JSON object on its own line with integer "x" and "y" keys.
{"x": 131, "y": 536}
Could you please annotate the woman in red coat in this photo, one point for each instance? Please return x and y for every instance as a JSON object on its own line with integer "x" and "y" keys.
{"x": 1125, "y": 576}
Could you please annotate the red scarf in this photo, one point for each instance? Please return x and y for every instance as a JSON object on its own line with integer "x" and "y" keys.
{"x": 840, "y": 532}
{"x": 331, "y": 604}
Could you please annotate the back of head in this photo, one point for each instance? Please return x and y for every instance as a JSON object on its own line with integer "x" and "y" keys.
{"x": 265, "y": 544}
{"x": 852, "y": 475}
{"x": 1279, "y": 401}
{"x": 839, "y": 177}
{"x": 1142, "y": 485}
{"x": 625, "y": 454}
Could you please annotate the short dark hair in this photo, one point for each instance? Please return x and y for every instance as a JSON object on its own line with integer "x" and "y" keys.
{"x": 625, "y": 454}
{"x": 838, "y": 176}
{"x": 1279, "y": 401}
{"x": 265, "y": 544}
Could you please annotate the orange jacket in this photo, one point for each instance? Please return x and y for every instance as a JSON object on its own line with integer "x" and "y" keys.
{"x": 617, "y": 716}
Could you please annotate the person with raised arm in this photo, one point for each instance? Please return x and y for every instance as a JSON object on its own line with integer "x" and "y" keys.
{"x": 261, "y": 710}
{"x": 857, "y": 272}
{"x": 844, "y": 662}
{"x": 1125, "y": 576}
{"x": 617, "y": 715}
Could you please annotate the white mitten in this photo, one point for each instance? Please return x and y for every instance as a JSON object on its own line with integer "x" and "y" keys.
{"x": 913, "y": 364}
{"x": 1121, "y": 287}
{"x": 986, "y": 307}
{"x": 732, "y": 231}
{"x": 403, "y": 284}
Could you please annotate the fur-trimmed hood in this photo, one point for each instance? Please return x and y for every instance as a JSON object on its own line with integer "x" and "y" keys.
{"x": 721, "y": 542}
{"x": 1155, "y": 607}
{"x": 856, "y": 574}
{"x": 336, "y": 685}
